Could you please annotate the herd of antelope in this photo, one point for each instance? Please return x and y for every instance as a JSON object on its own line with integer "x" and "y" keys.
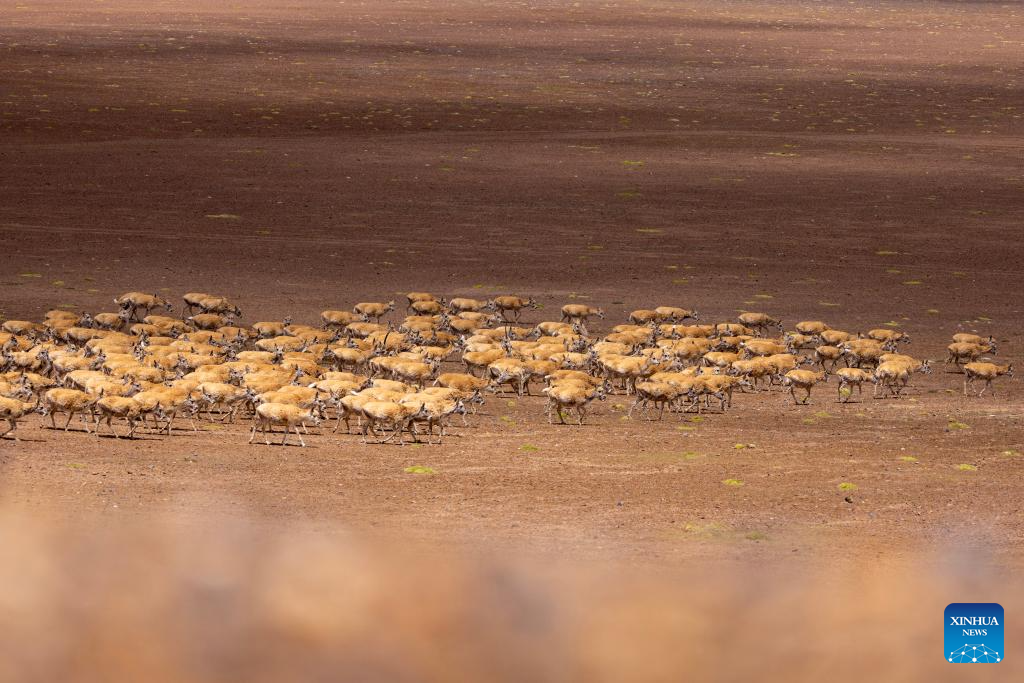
{"x": 142, "y": 365}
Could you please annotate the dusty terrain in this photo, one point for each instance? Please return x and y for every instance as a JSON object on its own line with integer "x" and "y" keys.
{"x": 858, "y": 163}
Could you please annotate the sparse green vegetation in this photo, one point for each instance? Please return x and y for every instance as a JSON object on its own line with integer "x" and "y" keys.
{"x": 705, "y": 529}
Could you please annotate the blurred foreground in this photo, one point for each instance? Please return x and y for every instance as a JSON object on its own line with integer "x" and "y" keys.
{"x": 167, "y": 601}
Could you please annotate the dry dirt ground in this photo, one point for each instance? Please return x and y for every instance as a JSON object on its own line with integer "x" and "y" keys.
{"x": 854, "y": 162}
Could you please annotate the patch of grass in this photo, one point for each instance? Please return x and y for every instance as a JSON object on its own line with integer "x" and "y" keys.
{"x": 507, "y": 418}
{"x": 886, "y": 252}
{"x": 956, "y": 425}
{"x": 704, "y": 529}
{"x": 908, "y": 458}
{"x": 847, "y": 486}
{"x": 650, "y": 231}
{"x": 76, "y": 465}
{"x": 633, "y": 164}
{"x": 755, "y": 536}
{"x": 846, "y": 392}
{"x": 529, "y": 448}
{"x": 964, "y": 467}
{"x": 736, "y": 483}
{"x": 1010, "y": 452}
{"x": 686, "y": 428}
{"x": 809, "y": 421}
{"x": 226, "y": 216}
{"x": 420, "y": 469}
{"x": 912, "y": 283}
{"x": 31, "y": 274}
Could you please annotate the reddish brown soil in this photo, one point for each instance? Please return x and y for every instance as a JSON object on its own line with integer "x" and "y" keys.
{"x": 858, "y": 163}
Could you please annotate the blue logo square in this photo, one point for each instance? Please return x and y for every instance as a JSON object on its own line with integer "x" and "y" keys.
{"x": 974, "y": 633}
